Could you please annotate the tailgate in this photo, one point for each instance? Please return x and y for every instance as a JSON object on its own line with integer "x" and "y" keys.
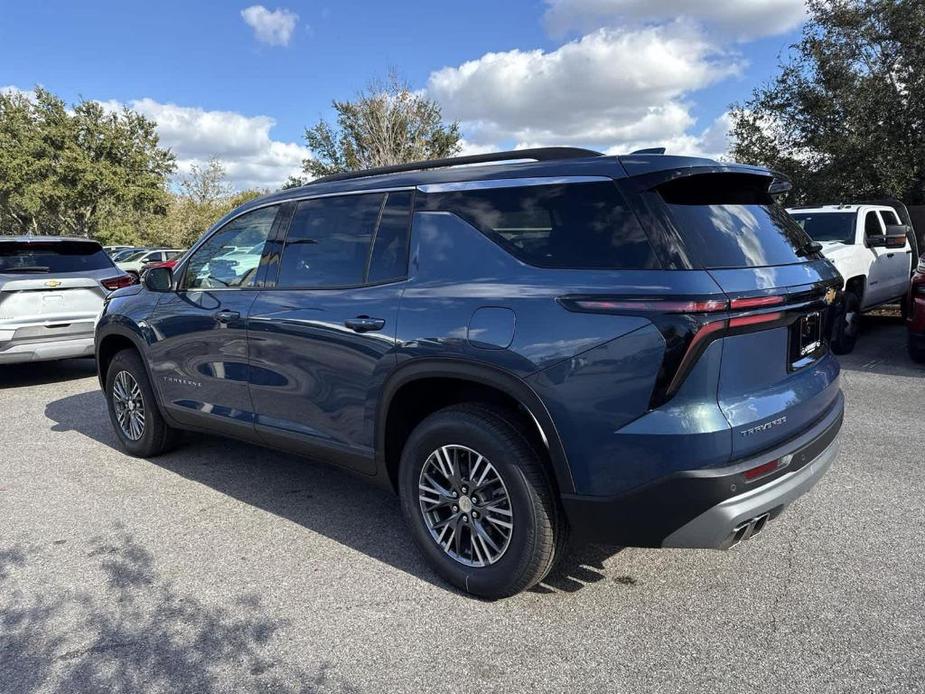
{"x": 778, "y": 378}
{"x": 49, "y": 299}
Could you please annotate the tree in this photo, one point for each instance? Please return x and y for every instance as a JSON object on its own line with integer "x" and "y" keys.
{"x": 386, "y": 124}
{"x": 845, "y": 116}
{"x": 85, "y": 171}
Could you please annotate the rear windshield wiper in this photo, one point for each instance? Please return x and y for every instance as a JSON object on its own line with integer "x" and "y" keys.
{"x": 26, "y": 268}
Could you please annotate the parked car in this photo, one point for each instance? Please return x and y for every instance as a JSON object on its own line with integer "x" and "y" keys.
{"x": 125, "y": 253}
{"x": 631, "y": 348}
{"x": 916, "y": 319}
{"x": 170, "y": 264}
{"x": 51, "y": 293}
{"x": 112, "y": 250}
{"x": 872, "y": 250}
{"x": 135, "y": 262}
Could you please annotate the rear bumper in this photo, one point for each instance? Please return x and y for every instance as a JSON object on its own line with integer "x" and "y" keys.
{"x": 15, "y": 353}
{"x": 713, "y": 507}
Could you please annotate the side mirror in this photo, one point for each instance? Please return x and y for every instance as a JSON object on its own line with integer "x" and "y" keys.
{"x": 158, "y": 279}
{"x": 896, "y": 235}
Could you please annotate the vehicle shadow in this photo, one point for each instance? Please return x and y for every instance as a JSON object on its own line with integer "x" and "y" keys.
{"x": 135, "y": 631}
{"x": 322, "y": 498}
{"x": 881, "y": 347}
{"x": 42, "y": 372}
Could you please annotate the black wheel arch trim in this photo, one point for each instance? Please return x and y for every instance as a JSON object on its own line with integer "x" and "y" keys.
{"x": 118, "y": 330}
{"x": 482, "y": 374}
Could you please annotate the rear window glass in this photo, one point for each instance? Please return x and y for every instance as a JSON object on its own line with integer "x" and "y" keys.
{"x": 578, "y": 225}
{"x": 53, "y": 256}
{"x": 730, "y": 220}
{"x": 827, "y": 226}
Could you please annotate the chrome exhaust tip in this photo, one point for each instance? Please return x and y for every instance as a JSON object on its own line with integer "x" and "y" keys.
{"x": 749, "y": 528}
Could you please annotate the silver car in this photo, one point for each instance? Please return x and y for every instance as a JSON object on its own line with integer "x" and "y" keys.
{"x": 51, "y": 295}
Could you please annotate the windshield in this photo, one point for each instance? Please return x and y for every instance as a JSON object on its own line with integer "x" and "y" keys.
{"x": 52, "y": 256}
{"x": 827, "y": 226}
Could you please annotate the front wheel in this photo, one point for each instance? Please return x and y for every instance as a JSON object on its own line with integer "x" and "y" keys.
{"x": 847, "y": 324}
{"x": 133, "y": 410}
{"x": 479, "y": 501}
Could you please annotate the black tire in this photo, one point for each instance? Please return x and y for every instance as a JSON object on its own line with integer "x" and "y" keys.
{"x": 539, "y": 530}
{"x": 916, "y": 349}
{"x": 156, "y": 436}
{"x": 847, "y": 324}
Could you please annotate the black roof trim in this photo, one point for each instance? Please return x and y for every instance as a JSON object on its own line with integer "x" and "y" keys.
{"x": 536, "y": 154}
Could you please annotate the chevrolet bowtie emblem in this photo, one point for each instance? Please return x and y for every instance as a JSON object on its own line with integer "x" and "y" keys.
{"x": 53, "y": 283}
{"x": 830, "y": 296}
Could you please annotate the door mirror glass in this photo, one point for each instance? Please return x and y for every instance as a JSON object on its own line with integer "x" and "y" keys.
{"x": 158, "y": 279}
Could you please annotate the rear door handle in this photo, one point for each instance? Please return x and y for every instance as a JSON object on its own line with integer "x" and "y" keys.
{"x": 364, "y": 324}
{"x": 225, "y": 316}
{"x": 890, "y": 255}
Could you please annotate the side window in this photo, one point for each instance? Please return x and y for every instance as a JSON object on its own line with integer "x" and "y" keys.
{"x": 215, "y": 265}
{"x": 328, "y": 242}
{"x": 389, "y": 259}
{"x": 872, "y": 224}
{"x": 578, "y": 225}
{"x": 889, "y": 217}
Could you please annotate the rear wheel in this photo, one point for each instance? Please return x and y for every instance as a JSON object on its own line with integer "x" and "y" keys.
{"x": 847, "y": 324}
{"x": 133, "y": 410}
{"x": 917, "y": 349}
{"x": 479, "y": 501}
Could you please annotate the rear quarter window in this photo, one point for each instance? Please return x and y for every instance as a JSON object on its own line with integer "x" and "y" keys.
{"x": 729, "y": 220}
{"x": 575, "y": 225}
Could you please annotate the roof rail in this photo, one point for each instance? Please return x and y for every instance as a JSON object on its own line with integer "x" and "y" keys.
{"x": 536, "y": 154}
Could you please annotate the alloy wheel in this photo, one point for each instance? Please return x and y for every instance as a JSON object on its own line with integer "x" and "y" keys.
{"x": 465, "y": 505}
{"x": 128, "y": 405}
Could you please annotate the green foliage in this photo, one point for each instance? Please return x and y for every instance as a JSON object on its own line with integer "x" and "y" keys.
{"x": 845, "y": 117}
{"x": 386, "y": 124}
{"x": 80, "y": 172}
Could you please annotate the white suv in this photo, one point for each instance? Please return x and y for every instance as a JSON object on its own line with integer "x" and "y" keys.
{"x": 871, "y": 249}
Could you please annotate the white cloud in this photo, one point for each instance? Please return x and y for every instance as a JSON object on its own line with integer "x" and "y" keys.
{"x": 740, "y": 19}
{"x": 252, "y": 159}
{"x": 609, "y": 87}
{"x": 271, "y": 27}
{"x": 712, "y": 142}
{"x": 10, "y": 90}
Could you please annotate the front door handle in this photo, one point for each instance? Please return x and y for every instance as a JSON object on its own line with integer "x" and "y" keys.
{"x": 890, "y": 255}
{"x": 364, "y": 324}
{"x": 225, "y": 316}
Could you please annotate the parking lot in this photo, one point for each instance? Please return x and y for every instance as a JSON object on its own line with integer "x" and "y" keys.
{"x": 222, "y": 566}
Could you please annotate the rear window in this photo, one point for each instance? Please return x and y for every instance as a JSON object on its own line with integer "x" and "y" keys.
{"x": 827, "y": 226}
{"x": 731, "y": 221}
{"x": 53, "y": 256}
{"x": 577, "y": 225}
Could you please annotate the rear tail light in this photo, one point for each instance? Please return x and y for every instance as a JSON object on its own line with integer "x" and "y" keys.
{"x": 689, "y": 325}
{"x": 113, "y": 283}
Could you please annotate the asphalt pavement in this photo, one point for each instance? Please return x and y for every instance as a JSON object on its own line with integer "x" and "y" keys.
{"x": 225, "y": 567}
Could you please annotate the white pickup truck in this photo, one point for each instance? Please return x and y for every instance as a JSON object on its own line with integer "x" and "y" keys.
{"x": 871, "y": 249}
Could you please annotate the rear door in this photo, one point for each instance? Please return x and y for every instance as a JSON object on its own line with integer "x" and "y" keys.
{"x": 322, "y": 339}
{"x": 777, "y": 377}
{"x": 898, "y": 260}
{"x": 199, "y": 359}
{"x": 880, "y": 280}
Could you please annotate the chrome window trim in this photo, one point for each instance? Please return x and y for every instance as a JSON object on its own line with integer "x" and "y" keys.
{"x": 510, "y": 183}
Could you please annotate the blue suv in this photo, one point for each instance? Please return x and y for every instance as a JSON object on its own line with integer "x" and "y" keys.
{"x": 631, "y": 349}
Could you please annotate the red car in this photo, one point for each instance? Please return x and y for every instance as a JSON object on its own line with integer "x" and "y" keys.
{"x": 917, "y": 313}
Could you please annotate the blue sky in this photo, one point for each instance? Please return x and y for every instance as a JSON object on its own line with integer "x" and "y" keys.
{"x": 241, "y": 81}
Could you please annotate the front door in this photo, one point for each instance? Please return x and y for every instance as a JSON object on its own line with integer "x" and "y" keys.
{"x": 322, "y": 341}
{"x": 879, "y": 277}
{"x": 199, "y": 360}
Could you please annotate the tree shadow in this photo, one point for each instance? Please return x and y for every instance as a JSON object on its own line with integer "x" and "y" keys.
{"x": 319, "y": 497}
{"x": 41, "y": 372}
{"x": 139, "y": 634}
